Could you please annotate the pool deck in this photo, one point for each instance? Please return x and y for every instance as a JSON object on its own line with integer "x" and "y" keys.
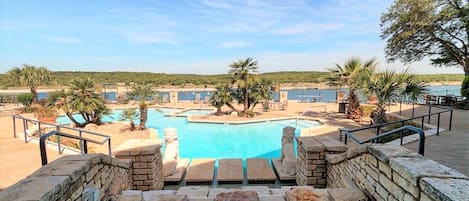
{"x": 449, "y": 148}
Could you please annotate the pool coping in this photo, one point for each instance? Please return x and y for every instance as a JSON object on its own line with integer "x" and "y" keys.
{"x": 177, "y": 113}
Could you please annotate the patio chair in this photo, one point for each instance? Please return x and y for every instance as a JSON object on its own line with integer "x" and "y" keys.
{"x": 206, "y": 100}
{"x": 165, "y": 98}
{"x": 197, "y": 99}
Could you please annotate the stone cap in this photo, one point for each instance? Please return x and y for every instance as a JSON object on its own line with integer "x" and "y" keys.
{"x": 386, "y": 152}
{"x": 134, "y": 147}
{"x": 413, "y": 169}
{"x": 445, "y": 189}
{"x": 321, "y": 143}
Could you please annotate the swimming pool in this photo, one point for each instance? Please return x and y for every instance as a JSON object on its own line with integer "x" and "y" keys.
{"x": 212, "y": 140}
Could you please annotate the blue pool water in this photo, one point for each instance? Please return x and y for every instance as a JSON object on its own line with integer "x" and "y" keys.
{"x": 206, "y": 140}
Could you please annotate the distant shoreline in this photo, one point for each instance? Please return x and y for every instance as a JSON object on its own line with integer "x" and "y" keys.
{"x": 287, "y": 86}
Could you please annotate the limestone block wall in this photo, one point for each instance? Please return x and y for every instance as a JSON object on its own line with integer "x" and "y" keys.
{"x": 311, "y": 161}
{"x": 387, "y": 172}
{"x": 146, "y": 172}
{"x": 68, "y": 177}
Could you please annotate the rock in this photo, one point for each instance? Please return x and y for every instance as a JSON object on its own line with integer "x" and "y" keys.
{"x": 234, "y": 114}
{"x": 237, "y": 196}
{"x": 445, "y": 188}
{"x": 302, "y": 193}
{"x": 91, "y": 127}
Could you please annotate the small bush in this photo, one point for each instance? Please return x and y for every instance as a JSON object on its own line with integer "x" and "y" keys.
{"x": 366, "y": 110}
{"x": 26, "y": 99}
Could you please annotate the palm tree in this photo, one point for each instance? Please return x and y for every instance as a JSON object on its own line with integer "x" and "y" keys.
{"x": 222, "y": 96}
{"x": 353, "y": 75}
{"x": 130, "y": 115}
{"x": 30, "y": 76}
{"x": 413, "y": 91}
{"x": 262, "y": 91}
{"x": 386, "y": 86}
{"x": 241, "y": 71}
{"x": 141, "y": 92}
{"x": 80, "y": 98}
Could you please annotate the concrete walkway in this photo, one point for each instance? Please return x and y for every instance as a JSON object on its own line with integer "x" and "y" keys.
{"x": 17, "y": 158}
{"x": 451, "y": 148}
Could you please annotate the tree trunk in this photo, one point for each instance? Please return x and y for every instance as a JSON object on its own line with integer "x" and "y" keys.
{"x": 353, "y": 110}
{"x": 232, "y": 107}
{"x": 379, "y": 115}
{"x": 219, "y": 112}
{"x": 246, "y": 101}
{"x": 132, "y": 125}
{"x": 34, "y": 92}
{"x": 143, "y": 118}
{"x": 70, "y": 116}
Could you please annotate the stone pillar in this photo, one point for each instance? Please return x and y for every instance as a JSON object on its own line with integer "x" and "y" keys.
{"x": 147, "y": 164}
{"x": 173, "y": 97}
{"x": 121, "y": 89}
{"x": 311, "y": 164}
{"x": 283, "y": 96}
{"x": 287, "y": 158}
{"x": 171, "y": 154}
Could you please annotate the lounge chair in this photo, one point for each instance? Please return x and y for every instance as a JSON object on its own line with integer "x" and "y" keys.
{"x": 165, "y": 98}
{"x": 197, "y": 99}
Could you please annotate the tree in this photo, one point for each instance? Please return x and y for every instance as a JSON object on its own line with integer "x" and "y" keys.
{"x": 130, "y": 115}
{"x": 30, "y": 76}
{"x": 413, "y": 91}
{"x": 385, "y": 85}
{"x": 262, "y": 91}
{"x": 81, "y": 98}
{"x": 438, "y": 29}
{"x": 140, "y": 92}
{"x": 353, "y": 75}
{"x": 241, "y": 71}
{"x": 222, "y": 96}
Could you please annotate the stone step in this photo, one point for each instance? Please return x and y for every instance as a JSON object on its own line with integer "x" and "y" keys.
{"x": 259, "y": 171}
{"x": 230, "y": 171}
{"x": 200, "y": 171}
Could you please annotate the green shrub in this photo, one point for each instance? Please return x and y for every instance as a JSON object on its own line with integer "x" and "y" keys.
{"x": 465, "y": 87}
{"x": 26, "y": 99}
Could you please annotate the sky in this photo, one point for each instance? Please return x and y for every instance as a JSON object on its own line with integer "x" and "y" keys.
{"x": 193, "y": 36}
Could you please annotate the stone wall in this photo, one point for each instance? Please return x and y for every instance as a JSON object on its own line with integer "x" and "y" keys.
{"x": 68, "y": 177}
{"x": 311, "y": 163}
{"x": 147, "y": 166}
{"x": 387, "y": 172}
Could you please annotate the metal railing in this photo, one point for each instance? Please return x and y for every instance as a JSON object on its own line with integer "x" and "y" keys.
{"x": 83, "y": 145}
{"x": 421, "y": 148}
{"x": 83, "y": 141}
{"x": 402, "y": 122}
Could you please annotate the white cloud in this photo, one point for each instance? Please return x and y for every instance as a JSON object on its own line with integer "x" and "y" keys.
{"x": 233, "y": 44}
{"x": 62, "y": 39}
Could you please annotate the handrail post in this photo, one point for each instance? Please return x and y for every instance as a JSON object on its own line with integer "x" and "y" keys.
{"x": 39, "y": 128}
{"x": 58, "y": 143}
{"x": 429, "y": 113}
{"x": 24, "y": 131}
{"x": 85, "y": 144}
{"x": 81, "y": 142}
{"x": 423, "y": 121}
{"x": 450, "y": 119}
{"x": 438, "y": 125}
{"x": 14, "y": 126}
{"x": 109, "y": 146}
{"x": 42, "y": 147}
{"x": 377, "y": 130}
{"x": 345, "y": 137}
{"x": 421, "y": 142}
